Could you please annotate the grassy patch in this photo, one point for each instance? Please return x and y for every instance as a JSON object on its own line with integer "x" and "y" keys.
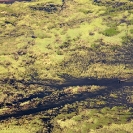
{"x": 111, "y": 31}
{"x": 91, "y": 119}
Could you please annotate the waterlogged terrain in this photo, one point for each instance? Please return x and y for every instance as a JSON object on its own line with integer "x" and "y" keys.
{"x": 66, "y": 64}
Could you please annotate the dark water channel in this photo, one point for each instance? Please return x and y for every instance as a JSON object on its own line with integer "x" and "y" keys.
{"x": 112, "y": 86}
{"x": 11, "y": 1}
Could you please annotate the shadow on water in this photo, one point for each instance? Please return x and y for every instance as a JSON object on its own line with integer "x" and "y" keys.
{"x": 112, "y": 86}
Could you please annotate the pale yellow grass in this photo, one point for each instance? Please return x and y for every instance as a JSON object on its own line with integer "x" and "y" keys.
{"x": 66, "y": 123}
{"x": 115, "y": 128}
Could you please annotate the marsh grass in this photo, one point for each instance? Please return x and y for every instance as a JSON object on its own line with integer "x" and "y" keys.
{"x": 36, "y": 45}
{"x": 93, "y": 119}
{"x": 21, "y": 126}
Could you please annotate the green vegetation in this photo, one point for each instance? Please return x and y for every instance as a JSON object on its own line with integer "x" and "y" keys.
{"x": 111, "y": 32}
{"x": 131, "y": 31}
{"x": 66, "y": 69}
{"x": 91, "y": 120}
